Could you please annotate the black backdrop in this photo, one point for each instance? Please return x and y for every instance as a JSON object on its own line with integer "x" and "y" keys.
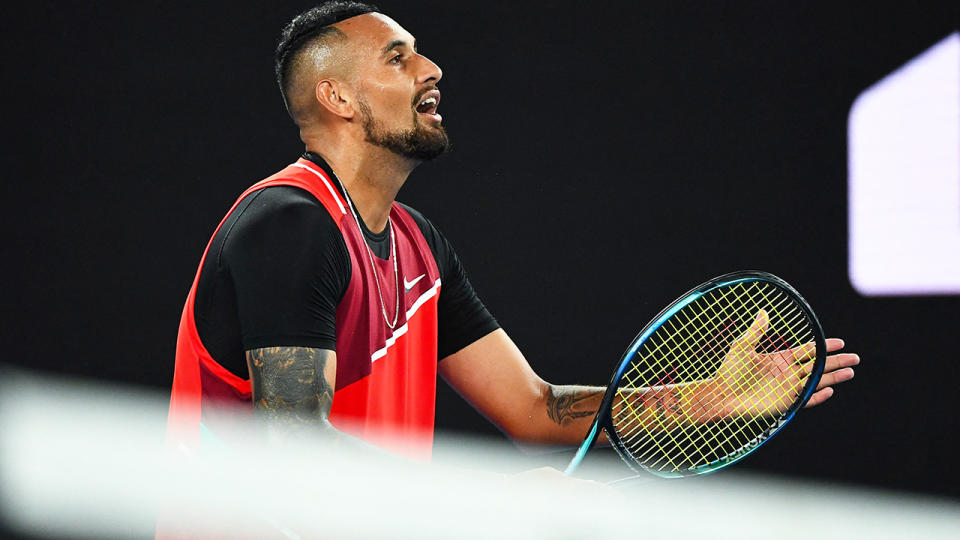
{"x": 606, "y": 157}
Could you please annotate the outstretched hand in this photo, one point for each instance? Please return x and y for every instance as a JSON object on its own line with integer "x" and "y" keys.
{"x": 752, "y": 383}
{"x": 838, "y": 368}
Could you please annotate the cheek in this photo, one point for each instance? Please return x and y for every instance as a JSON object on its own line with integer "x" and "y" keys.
{"x": 390, "y": 101}
{"x": 397, "y": 109}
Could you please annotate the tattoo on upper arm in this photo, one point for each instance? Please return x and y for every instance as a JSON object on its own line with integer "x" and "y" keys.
{"x": 290, "y": 388}
{"x": 562, "y": 404}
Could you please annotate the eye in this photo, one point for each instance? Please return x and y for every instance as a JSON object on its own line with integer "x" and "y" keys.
{"x": 396, "y": 59}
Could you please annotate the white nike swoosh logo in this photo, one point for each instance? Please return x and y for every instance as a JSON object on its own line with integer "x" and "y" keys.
{"x": 407, "y": 285}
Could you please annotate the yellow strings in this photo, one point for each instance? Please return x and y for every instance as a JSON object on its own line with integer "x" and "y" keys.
{"x": 677, "y": 352}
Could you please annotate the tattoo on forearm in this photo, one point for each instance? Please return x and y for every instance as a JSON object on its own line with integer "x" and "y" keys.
{"x": 562, "y": 404}
{"x": 671, "y": 401}
{"x": 663, "y": 403}
{"x": 667, "y": 402}
{"x": 290, "y": 390}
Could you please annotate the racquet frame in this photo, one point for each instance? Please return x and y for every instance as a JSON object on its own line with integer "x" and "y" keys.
{"x": 603, "y": 418}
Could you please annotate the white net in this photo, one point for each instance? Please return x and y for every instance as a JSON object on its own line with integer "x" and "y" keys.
{"x": 87, "y": 460}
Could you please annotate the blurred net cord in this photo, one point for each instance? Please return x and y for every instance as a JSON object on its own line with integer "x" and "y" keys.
{"x": 86, "y": 459}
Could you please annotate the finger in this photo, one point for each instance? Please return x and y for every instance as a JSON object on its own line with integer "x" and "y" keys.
{"x": 819, "y": 397}
{"x": 837, "y": 361}
{"x": 753, "y": 334}
{"x": 836, "y": 377}
{"x": 801, "y": 353}
{"x": 834, "y": 344}
{"x": 834, "y": 362}
{"x": 808, "y": 350}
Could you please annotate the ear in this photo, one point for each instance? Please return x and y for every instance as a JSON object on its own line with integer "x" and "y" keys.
{"x": 335, "y": 97}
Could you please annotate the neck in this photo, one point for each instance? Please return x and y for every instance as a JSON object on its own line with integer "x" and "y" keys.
{"x": 371, "y": 175}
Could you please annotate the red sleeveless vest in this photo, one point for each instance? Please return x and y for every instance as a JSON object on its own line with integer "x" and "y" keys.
{"x": 386, "y": 378}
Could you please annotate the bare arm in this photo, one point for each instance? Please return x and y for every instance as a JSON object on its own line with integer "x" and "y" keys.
{"x": 293, "y": 391}
{"x": 494, "y": 377}
{"x": 573, "y": 408}
{"x": 292, "y": 395}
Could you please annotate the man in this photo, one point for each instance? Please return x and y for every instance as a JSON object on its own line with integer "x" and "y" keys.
{"x": 332, "y": 307}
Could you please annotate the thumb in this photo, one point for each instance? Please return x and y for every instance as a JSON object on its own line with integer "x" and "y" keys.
{"x": 752, "y": 336}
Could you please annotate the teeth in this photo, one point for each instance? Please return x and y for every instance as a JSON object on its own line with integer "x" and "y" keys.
{"x": 429, "y": 101}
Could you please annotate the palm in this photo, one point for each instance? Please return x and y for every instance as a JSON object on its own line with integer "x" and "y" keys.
{"x": 752, "y": 383}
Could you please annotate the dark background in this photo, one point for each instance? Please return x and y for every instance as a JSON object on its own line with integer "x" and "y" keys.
{"x": 607, "y": 157}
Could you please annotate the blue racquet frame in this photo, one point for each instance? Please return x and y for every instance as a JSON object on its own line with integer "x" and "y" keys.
{"x": 603, "y": 417}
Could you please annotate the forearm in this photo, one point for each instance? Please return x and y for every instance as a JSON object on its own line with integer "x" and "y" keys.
{"x": 563, "y": 414}
{"x": 496, "y": 379}
{"x": 663, "y": 408}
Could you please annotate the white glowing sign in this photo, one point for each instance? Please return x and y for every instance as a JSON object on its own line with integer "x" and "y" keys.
{"x": 904, "y": 186}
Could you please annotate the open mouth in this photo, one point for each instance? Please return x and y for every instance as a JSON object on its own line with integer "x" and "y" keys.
{"x": 428, "y": 105}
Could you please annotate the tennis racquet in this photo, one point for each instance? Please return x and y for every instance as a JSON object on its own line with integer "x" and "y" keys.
{"x": 711, "y": 378}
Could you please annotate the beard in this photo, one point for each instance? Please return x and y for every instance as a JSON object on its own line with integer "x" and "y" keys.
{"x": 418, "y": 143}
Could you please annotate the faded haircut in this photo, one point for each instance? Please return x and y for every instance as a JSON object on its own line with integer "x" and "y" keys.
{"x": 310, "y": 27}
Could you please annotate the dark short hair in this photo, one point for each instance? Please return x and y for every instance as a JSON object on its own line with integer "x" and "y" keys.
{"x": 311, "y": 24}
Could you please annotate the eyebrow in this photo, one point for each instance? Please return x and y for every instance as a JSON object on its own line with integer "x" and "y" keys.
{"x": 397, "y": 43}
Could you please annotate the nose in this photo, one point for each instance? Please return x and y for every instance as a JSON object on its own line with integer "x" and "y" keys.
{"x": 430, "y": 72}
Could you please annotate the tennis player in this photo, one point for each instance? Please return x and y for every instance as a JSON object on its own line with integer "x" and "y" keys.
{"x": 322, "y": 305}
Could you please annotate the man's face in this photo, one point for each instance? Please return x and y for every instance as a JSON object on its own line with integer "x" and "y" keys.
{"x": 397, "y": 92}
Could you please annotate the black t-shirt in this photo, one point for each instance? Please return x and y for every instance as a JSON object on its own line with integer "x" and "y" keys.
{"x": 278, "y": 267}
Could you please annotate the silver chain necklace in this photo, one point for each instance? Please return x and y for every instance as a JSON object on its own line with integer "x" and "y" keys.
{"x": 393, "y": 255}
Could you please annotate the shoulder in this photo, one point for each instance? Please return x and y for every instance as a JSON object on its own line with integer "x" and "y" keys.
{"x": 429, "y": 230}
{"x": 279, "y": 216}
{"x": 443, "y": 251}
{"x": 280, "y": 206}
{"x": 273, "y": 200}
{"x": 415, "y": 214}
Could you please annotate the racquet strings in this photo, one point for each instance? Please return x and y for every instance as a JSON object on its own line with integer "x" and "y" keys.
{"x": 764, "y": 342}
